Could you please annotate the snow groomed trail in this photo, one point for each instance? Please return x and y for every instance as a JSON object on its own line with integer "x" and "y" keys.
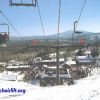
{"x": 84, "y": 89}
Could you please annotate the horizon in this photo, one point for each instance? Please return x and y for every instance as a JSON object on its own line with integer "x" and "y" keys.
{"x": 55, "y": 34}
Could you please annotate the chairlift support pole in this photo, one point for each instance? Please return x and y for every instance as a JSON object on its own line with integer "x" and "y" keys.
{"x": 58, "y": 69}
{"x": 57, "y": 48}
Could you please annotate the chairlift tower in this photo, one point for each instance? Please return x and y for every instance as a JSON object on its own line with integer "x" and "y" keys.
{"x": 32, "y": 3}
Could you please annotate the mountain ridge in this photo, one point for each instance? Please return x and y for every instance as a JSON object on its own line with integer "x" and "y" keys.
{"x": 66, "y": 34}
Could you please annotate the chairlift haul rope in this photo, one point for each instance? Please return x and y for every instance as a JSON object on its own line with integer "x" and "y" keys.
{"x": 10, "y": 23}
{"x": 81, "y": 12}
{"x": 41, "y": 21}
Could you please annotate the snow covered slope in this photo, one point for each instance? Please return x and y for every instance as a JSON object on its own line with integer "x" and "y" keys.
{"x": 85, "y": 89}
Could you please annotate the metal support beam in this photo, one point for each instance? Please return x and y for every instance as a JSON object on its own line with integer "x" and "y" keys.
{"x": 58, "y": 69}
{"x": 57, "y": 49}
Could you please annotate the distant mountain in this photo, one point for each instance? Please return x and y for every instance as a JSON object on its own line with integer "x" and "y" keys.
{"x": 68, "y": 34}
{"x": 26, "y": 38}
{"x": 90, "y": 37}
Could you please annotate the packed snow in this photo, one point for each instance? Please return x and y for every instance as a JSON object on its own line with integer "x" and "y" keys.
{"x": 84, "y": 89}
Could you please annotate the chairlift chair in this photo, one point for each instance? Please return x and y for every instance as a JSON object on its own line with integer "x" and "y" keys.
{"x": 22, "y": 3}
{"x": 4, "y": 35}
{"x": 4, "y": 39}
{"x": 78, "y": 38}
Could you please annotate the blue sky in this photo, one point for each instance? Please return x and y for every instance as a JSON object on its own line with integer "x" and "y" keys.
{"x": 27, "y": 22}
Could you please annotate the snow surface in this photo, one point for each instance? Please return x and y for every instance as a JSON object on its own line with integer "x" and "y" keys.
{"x": 8, "y": 76}
{"x": 84, "y": 89}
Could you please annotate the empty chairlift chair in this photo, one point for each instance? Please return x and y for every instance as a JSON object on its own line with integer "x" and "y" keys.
{"x": 78, "y": 38}
{"x": 22, "y": 3}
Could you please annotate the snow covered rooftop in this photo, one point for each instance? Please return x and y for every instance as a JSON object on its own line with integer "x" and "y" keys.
{"x": 87, "y": 52}
{"x": 18, "y": 66}
{"x": 53, "y": 60}
{"x": 83, "y": 59}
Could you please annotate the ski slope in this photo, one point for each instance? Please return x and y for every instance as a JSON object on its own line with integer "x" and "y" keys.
{"x": 84, "y": 89}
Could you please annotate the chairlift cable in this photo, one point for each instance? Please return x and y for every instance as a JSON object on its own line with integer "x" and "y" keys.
{"x": 81, "y": 12}
{"x": 41, "y": 21}
{"x": 10, "y": 23}
{"x": 77, "y": 22}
